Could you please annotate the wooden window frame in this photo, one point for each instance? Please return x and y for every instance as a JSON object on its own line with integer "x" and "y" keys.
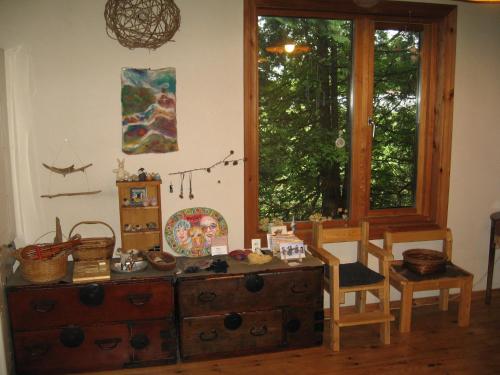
{"x": 436, "y": 116}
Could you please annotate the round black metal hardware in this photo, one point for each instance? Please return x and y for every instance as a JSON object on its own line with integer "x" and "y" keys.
{"x": 92, "y": 295}
{"x": 43, "y": 306}
{"x": 108, "y": 344}
{"x": 233, "y": 321}
{"x": 139, "y": 341}
{"x": 254, "y": 282}
{"x": 210, "y": 336}
{"x": 72, "y": 336}
{"x": 293, "y": 325}
{"x": 206, "y": 296}
{"x": 258, "y": 331}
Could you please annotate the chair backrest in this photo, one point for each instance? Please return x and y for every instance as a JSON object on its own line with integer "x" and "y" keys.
{"x": 444, "y": 235}
{"x": 359, "y": 234}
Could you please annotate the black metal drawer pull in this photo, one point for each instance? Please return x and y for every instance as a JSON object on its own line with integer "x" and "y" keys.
{"x": 293, "y": 325}
{"x": 43, "y": 305}
{"x": 254, "y": 283}
{"x": 211, "y": 336}
{"x": 139, "y": 299}
{"x": 37, "y": 350}
{"x": 206, "y": 297}
{"x": 72, "y": 336}
{"x": 108, "y": 344}
{"x": 299, "y": 289}
{"x": 233, "y": 321}
{"x": 139, "y": 341}
{"x": 92, "y": 295}
{"x": 258, "y": 331}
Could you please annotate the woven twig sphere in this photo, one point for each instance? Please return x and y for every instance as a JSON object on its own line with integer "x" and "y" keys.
{"x": 142, "y": 23}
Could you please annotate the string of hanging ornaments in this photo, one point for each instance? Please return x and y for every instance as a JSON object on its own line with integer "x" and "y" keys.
{"x": 142, "y": 23}
{"x": 182, "y": 174}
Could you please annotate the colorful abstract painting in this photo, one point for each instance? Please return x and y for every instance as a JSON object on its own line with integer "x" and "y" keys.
{"x": 149, "y": 120}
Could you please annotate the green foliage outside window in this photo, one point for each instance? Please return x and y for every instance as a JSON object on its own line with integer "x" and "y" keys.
{"x": 305, "y": 106}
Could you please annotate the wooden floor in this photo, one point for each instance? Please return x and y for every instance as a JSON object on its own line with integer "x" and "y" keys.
{"x": 436, "y": 345}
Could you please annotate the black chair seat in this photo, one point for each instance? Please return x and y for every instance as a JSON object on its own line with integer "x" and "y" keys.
{"x": 352, "y": 274}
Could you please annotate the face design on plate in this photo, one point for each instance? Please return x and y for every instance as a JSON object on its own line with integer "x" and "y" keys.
{"x": 210, "y": 228}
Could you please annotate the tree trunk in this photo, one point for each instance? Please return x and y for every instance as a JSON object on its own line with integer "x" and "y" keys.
{"x": 328, "y": 109}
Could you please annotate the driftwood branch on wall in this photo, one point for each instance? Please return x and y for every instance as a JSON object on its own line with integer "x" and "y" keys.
{"x": 69, "y": 194}
{"x": 67, "y": 170}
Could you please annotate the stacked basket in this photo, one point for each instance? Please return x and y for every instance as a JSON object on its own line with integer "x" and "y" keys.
{"x": 94, "y": 248}
{"x": 45, "y": 262}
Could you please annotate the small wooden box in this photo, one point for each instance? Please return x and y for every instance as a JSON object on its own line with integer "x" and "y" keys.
{"x": 91, "y": 270}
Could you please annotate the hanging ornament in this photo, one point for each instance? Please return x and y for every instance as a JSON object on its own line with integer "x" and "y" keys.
{"x": 191, "y": 196}
{"x": 181, "y": 195}
{"x": 227, "y": 161}
{"x": 142, "y": 23}
{"x": 414, "y": 53}
{"x": 340, "y": 141}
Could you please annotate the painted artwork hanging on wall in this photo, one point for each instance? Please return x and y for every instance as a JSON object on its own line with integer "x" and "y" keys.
{"x": 149, "y": 121}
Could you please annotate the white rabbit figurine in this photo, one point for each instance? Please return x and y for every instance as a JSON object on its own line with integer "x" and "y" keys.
{"x": 121, "y": 173}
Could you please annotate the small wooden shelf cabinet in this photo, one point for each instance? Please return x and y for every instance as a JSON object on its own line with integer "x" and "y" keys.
{"x": 140, "y": 214}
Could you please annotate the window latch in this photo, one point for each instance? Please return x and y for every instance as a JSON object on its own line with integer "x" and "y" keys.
{"x": 373, "y": 125}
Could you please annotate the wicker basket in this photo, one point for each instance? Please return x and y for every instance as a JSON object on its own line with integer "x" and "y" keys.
{"x": 43, "y": 270}
{"x": 161, "y": 261}
{"x": 423, "y": 261}
{"x": 94, "y": 248}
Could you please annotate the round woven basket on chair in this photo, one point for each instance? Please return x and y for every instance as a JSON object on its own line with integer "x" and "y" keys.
{"x": 423, "y": 261}
{"x": 94, "y": 248}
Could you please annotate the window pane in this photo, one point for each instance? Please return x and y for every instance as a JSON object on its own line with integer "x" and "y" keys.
{"x": 395, "y": 114}
{"x": 304, "y": 116}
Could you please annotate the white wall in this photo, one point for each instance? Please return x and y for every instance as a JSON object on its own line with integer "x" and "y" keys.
{"x": 64, "y": 83}
{"x": 63, "y": 75}
{"x": 475, "y": 165}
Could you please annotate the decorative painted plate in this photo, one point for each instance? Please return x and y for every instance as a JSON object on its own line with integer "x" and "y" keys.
{"x": 189, "y": 232}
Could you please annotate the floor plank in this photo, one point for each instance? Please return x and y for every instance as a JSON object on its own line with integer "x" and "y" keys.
{"x": 436, "y": 345}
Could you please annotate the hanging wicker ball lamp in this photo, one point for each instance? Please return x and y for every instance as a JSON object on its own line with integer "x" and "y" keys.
{"x": 142, "y": 23}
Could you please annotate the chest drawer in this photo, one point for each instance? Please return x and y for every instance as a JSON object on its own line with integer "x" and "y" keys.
{"x": 40, "y": 308}
{"x": 249, "y": 292}
{"x": 71, "y": 348}
{"x": 152, "y": 342}
{"x": 230, "y": 333}
{"x": 303, "y": 326}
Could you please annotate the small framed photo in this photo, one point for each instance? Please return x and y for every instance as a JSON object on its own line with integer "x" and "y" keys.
{"x": 256, "y": 246}
{"x": 292, "y": 250}
{"x": 219, "y": 245}
{"x": 137, "y": 196}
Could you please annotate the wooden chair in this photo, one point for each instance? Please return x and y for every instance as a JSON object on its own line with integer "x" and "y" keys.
{"x": 354, "y": 277}
{"x": 408, "y": 282}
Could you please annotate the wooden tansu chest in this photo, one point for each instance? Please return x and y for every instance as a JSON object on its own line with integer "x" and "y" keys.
{"x": 66, "y": 327}
{"x": 251, "y": 309}
{"x": 132, "y": 320}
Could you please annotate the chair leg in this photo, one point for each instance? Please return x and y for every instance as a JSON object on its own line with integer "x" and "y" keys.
{"x": 336, "y": 307}
{"x": 385, "y": 328}
{"x": 444, "y": 295}
{"x": 465, "y": 302}
{"x": 333, "y": 335}
{"x": 361, "y": 301}
{"x": 406, "y": 309}
{"x": 336, "y": 337}
{"x": 385, "y": 332}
